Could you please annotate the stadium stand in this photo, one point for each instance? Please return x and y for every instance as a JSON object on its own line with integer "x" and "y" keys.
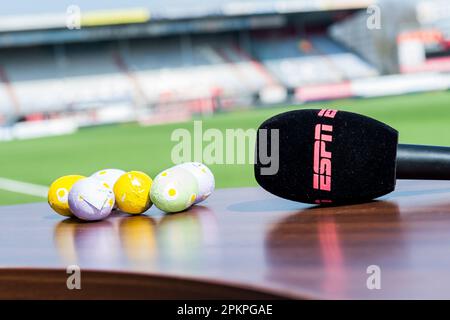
{"x": 164, "y": 67}
{"x": 299, "y": 61}
{"x": 52, "y": 78}
{"x": 171, "y": 66}
{"x": 46, "y": 79}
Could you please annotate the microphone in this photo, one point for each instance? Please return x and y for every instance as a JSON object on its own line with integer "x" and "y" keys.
{"x": 336, "y": 157}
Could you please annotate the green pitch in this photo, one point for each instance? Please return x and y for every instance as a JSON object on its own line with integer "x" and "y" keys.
{"x": 421, "y": 119}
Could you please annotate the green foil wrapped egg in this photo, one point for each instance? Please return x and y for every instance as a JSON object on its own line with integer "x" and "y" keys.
{"x": 174, "y": 190}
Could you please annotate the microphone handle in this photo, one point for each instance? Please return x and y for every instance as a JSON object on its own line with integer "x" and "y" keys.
{"x": 423, "y": 162}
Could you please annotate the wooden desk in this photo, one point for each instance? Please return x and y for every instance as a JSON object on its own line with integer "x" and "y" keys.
{"x": 242, "y": 243}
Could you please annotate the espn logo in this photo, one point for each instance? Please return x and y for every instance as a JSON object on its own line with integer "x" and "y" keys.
{"x": 322, "y": 158}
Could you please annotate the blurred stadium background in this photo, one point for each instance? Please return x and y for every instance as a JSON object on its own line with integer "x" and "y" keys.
{"x": 86, "y": 85}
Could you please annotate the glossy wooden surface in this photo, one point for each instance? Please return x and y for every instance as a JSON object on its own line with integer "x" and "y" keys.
{"x": 242, "y": 243}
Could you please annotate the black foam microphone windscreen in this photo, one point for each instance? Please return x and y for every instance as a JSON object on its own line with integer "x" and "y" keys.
{"x": 326, "y": 156}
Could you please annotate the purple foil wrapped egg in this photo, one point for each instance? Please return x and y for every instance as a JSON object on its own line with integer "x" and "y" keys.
{"x": 91, "y": 199}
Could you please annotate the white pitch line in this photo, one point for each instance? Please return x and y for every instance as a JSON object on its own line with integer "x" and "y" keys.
{"x": 23, "y": 187}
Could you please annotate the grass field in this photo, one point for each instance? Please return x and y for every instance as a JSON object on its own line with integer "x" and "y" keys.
{"x": 421, "y": 119}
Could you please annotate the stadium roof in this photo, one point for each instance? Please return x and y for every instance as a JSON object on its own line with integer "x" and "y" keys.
{"x": 20, "y": 15}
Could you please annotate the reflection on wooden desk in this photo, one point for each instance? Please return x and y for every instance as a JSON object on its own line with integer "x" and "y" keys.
{"x": 260, "y": 247}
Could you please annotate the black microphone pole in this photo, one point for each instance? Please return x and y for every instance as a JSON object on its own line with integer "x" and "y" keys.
{"x": 423, "y": 162}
